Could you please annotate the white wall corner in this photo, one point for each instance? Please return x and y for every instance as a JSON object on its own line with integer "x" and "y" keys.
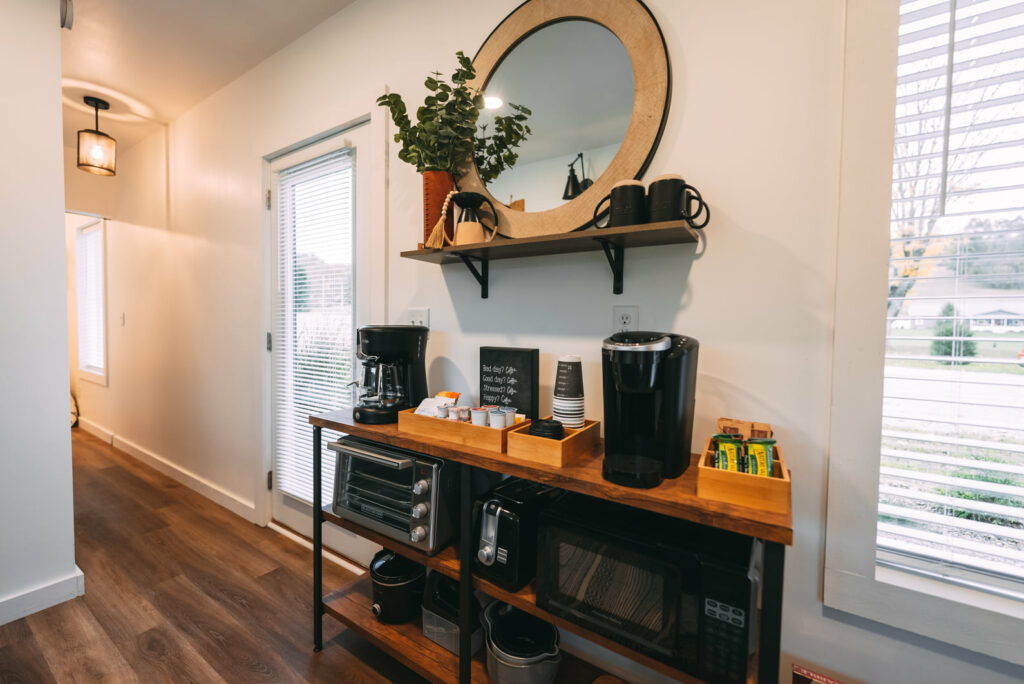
{"x": 42, "y": 596}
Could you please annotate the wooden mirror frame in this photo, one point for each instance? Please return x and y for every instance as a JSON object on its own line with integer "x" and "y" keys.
{"x": 634, "y": 25}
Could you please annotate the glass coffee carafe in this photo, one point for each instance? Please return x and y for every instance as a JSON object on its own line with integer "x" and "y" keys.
{"x": 383, "y": 385}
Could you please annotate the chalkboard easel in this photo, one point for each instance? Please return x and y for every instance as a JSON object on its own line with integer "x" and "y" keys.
{"x": 510, "y": 376}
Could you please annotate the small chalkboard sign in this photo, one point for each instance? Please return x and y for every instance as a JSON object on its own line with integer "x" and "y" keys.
{"x": 510, "y": 376}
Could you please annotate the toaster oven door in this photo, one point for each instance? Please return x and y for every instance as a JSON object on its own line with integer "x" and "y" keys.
{"x": 633, "y": 594}
{"x": 390, "y": 491}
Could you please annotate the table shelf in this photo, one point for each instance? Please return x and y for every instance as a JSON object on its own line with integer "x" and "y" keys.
{"x": 676, "y": 498}
{"x": 447, "y": 563}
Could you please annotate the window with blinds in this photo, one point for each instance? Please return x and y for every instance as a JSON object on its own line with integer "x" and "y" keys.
{"x": 951, "y": 486}
{"x": 90, "y": 300}
{"x": 313, "y": 323}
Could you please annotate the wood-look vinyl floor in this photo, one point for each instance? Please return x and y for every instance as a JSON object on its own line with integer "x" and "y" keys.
{"x": 179, "y": 589}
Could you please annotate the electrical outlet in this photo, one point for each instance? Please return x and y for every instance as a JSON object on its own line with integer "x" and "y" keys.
{"x": 625, "y": 318}
{"x": 419, "y": 316}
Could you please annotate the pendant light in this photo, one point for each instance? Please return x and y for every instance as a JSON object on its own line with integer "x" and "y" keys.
{"x": 97, "y": 151}
{"x": 573, "y": 185}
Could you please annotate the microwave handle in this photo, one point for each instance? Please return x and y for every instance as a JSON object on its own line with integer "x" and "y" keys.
{"x": 380, "y": 459}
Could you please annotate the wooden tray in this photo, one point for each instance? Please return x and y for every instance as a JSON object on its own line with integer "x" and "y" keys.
{"x": 467, "y": 434}
{"x": 577, "y": 446}
{"x": 768, "y": 493}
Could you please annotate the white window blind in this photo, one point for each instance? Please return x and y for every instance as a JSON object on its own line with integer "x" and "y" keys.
{"x": 951, "y": 486}
{"x": 313, "y": 328}
{"x": 89, "y": 294}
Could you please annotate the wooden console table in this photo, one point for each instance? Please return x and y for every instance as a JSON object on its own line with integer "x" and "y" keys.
{"x": 677, "y": 498}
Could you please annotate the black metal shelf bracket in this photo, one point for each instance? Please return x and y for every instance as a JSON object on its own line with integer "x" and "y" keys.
{"x": 482, "y": 276}
{"x": 616, "y": 255}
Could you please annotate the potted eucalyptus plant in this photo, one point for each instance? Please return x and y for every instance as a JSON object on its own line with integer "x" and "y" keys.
{"x": 445, "y": 137}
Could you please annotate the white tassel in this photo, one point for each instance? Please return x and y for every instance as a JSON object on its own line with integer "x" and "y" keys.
{"x": 438, "y": 237}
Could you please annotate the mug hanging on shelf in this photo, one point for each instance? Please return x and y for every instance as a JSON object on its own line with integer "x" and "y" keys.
{"x": 626, "y": 205}
{"x": 670, "y": 198}
{"x": 468, "y": 226}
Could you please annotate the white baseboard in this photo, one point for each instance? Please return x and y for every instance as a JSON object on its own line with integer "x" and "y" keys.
{"x": 214, "y": 492}
{"x": 41, "y": 597}
{"x": 96, "y": 430}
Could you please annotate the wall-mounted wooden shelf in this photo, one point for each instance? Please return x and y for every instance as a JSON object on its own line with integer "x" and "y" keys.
{"x": 613, "y": 241}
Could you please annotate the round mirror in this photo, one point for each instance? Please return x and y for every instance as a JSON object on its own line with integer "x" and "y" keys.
{"x": 595, "y": 79}
{"x": 576, "y": 80}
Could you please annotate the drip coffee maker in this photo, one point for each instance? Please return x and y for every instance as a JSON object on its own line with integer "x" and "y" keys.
{"x": 393, "y": 376}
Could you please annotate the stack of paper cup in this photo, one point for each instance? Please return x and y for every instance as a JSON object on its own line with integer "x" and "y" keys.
{"x": 567, "y": 405}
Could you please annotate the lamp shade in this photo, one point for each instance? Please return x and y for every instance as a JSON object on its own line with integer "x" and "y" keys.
{"x": 97, "y": 152}
{"x": 572, "y": 185}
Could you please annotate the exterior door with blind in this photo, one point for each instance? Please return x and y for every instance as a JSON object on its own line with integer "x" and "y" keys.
{"x": 318, "y": 196}
{"x": 951, "y": 486}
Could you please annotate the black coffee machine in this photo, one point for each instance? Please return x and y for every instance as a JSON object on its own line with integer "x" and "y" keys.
{"x": 649, "y": 381}
{"x": 394, "y": 373}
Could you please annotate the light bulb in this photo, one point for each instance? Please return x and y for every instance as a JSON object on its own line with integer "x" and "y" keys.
{"x": 492, "y": 102}
{"x": 96, "y": 154}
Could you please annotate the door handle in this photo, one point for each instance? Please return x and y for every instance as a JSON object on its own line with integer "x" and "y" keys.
{"x": 380, "y": 459}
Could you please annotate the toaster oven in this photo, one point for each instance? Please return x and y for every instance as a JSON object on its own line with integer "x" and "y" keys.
{"x": 407, "y": 496}
{"x": 398, "y": 493}
{"x": 682, "y": 593}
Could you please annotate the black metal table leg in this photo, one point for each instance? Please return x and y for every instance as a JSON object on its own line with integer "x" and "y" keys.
{"x": 465, "y": 574}
{"x": 318, "y": 549}
{"x": 770, "y": 641}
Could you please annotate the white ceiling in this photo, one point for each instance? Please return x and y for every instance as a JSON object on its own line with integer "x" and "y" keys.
{"x": 154, "y": 59}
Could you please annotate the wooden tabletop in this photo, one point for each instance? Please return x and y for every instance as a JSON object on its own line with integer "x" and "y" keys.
{"x": 677, "y": 498}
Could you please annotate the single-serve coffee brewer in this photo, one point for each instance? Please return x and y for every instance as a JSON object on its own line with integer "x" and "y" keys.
{"x": 649, "y": 382}
{"x": 394, "y": 372}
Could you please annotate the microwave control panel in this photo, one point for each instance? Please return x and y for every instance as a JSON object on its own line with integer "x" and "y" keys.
{"x": 724, "y": 641}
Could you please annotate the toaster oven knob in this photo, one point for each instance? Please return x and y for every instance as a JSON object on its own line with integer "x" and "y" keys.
{"x": 485, "y": 555}
{"x": 420, "y": 487}
{"x": 419, "y": 510}
{"x": 417, "y": 534}
{"x": 375, "y": 609}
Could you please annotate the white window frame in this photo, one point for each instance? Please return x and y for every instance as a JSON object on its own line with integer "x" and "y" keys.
{"x": 91, "y": 374}
{"x": 974, "y": 620}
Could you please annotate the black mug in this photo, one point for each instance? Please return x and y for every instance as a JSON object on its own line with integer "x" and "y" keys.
{"x": 670, "y": 198}
{"x": 626, "y": 205}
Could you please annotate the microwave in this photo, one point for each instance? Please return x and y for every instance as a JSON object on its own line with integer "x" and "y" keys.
{"x": 682, "y": 593}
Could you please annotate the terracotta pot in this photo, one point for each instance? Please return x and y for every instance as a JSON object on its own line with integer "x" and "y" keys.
{"x": 436, "y": 186}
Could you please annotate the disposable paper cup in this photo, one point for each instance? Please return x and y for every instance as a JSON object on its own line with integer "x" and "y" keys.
{"x": 569, "y": 377}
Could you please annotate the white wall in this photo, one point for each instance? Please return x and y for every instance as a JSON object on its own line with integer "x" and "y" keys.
{"x": 755, "y": 124}
{"x": 37, "y": 552}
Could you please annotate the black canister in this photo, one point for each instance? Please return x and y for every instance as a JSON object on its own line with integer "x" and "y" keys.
{"x": 397, "y": 587}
